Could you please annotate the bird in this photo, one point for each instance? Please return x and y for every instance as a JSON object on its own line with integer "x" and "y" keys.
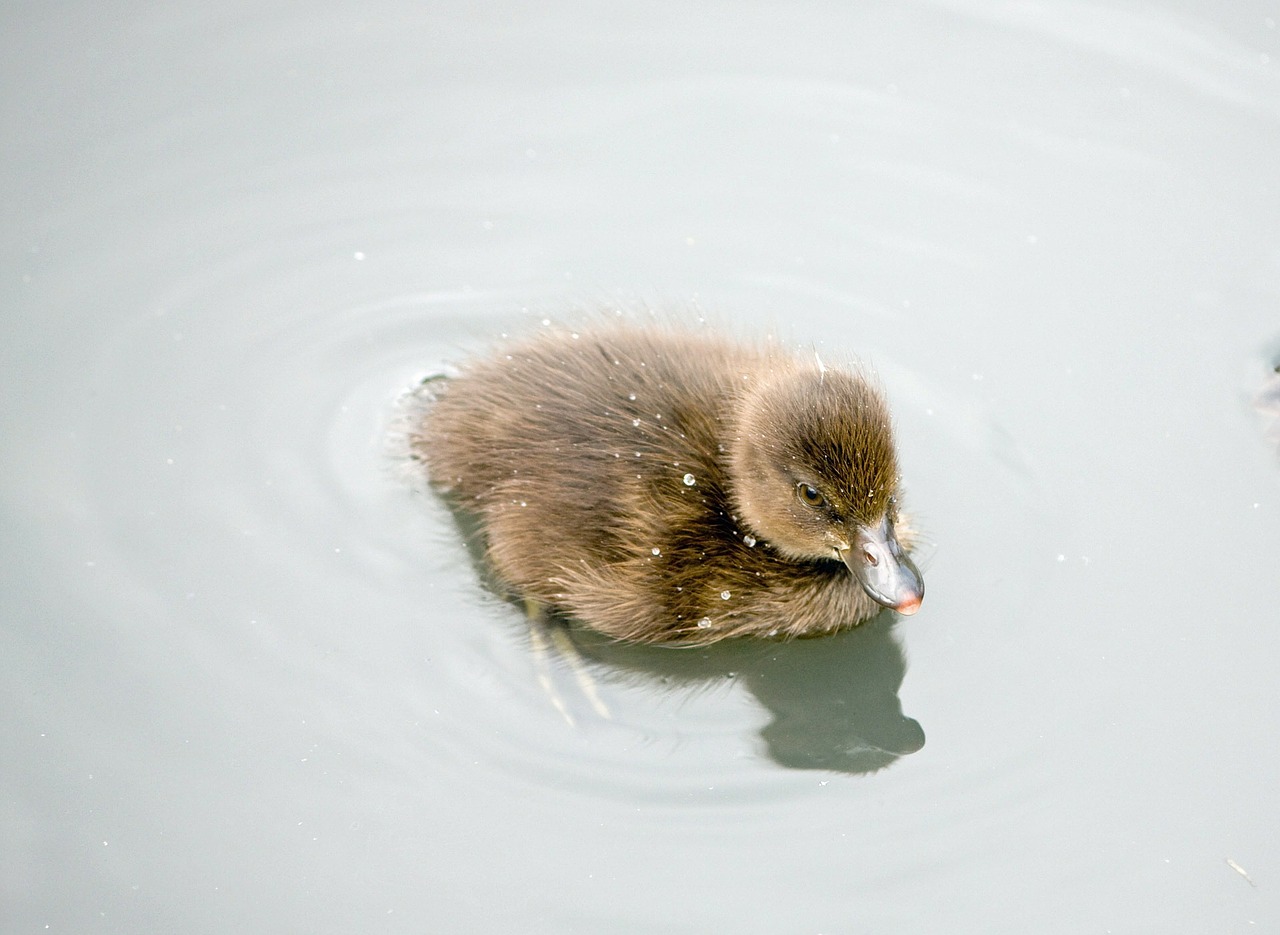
{"x": 674, "y": 485}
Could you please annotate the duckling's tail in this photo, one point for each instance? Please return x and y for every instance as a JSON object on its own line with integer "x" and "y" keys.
{"x": 406, "y": 446}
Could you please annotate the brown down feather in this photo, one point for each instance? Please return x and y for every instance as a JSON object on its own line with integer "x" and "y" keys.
{"x": 641, "y": 479}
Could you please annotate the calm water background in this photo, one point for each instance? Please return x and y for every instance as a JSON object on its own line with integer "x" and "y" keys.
{"x": 251, "y": 682}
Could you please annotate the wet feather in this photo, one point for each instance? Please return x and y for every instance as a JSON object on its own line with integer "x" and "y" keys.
{"x": 642, "y": 480}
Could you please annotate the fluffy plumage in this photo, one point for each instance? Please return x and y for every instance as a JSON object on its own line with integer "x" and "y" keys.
{"x": 673, "y": 486}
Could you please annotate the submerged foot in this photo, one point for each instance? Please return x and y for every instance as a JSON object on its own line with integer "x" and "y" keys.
{"x": 546, "y": 639}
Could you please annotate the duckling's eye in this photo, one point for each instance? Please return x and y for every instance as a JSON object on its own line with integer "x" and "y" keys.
{"x": 810, "y": 495}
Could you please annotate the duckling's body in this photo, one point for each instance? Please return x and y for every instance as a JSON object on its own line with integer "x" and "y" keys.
{"x": 656, "y": 484}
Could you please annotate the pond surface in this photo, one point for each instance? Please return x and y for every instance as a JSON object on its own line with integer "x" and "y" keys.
{"x": 251, "y": 679}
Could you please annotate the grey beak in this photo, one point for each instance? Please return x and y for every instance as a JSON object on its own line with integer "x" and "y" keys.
{"x": 883, "y": 569}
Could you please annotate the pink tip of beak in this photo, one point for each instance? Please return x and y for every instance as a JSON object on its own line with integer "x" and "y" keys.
{"x": 909, "y": 606}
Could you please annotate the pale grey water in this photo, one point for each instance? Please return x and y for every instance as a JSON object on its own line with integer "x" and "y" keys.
{"x": 251, "y": 682}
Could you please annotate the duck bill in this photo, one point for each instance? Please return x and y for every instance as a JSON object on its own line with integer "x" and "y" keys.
{"x": 883, "y": 569}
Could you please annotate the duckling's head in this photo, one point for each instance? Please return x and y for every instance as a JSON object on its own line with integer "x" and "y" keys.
{"x": 815, "y": 473}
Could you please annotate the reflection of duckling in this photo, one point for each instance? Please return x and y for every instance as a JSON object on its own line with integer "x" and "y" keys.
{"x": 833, "y": 703}
{"x": 669, "y": 486}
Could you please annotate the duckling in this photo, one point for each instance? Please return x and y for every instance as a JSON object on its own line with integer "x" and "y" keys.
{"x": 669, "y": 486}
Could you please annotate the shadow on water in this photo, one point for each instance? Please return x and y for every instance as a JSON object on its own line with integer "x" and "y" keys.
{"x": 833, "y": 699}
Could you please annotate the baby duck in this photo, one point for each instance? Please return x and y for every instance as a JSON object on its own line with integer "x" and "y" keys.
{"x": 670, "y": 486}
